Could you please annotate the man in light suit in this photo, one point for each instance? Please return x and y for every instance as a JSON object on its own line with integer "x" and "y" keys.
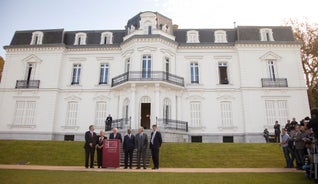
{"x": 155, "y": 143}
{"x": 115, "y": 135}
{"x": 90, "y": 143}
{"x": 128, "y": 147}
{"x": 141, "y": 145}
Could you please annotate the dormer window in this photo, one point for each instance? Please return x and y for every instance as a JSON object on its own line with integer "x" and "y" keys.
{"x": 220, "y": 36}
{"x": 193, "y": 37}
{"x": 37, "y": 38}
{"x": 266, "y": 34}
{"x": 80, "y": 39}
{"x": 106, "y": 38}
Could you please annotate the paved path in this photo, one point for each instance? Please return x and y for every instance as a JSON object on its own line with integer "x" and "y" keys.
{"x": 170, "y": 170}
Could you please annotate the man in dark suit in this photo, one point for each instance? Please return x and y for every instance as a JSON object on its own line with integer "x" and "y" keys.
{"x": 128, "y": 147}
{"x": 99, "y": 147}
{"x": 90, "y": 143}
{"x": 115, "y": 135}
{"x": 141, "y": 145}
{"x": 155, "y": 143}
{"x": 109, "y": 121}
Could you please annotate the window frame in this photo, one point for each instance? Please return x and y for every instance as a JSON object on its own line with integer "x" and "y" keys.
{"x": 104, "y": 73}
{"x": 226, "y": 79}
{"x": 106, "y": 38}
{"x": 266, "y": 34}
{"x": 194, "y": 73}
{"x": 220, "y": 36}
{"x": 77, "y": 68}
{"x": 193, "y": 36}
{"x": 37, "y": 38}
{"x": 80, "y": 38}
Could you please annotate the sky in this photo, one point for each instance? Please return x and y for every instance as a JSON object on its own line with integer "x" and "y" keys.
{"x": 73, "y": 15}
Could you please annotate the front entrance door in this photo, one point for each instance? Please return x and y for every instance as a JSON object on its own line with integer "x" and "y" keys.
{"x": 145, "y": 115}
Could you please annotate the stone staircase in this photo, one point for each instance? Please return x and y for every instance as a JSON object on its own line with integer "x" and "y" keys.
{"x": 134, "y": 160}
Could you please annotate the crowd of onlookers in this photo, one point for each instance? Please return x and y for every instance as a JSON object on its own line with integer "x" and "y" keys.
{"x": 299, "y": 143}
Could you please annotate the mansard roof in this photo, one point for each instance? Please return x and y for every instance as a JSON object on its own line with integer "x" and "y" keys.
{"x": 252, "y": 33}
{"x": 93, "y": 37}
{"x": 240, "y": 34}
{"x": 205, "y": 35}
{"x": 51, "y": 36}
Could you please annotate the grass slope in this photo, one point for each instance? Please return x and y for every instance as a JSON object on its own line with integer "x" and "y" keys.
{"x": 173, "y": 155}
{"x": 27, "y": 176}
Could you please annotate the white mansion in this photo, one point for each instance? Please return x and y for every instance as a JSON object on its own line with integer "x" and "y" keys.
{"x": 209, "y": 85}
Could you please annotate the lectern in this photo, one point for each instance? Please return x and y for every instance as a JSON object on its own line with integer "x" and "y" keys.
{"x": 111, "y": 153}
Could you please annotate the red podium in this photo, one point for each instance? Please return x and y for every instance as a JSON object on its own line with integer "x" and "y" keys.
{"x": 111, "y": 153}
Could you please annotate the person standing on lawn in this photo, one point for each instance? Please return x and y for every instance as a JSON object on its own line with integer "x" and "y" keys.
{"x": 89, "y": 146}
{"x": 155, "y": 144}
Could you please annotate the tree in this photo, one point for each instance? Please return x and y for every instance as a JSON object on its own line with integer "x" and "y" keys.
{"x": 1, "y": 67}
{"x": 307, "y": 34}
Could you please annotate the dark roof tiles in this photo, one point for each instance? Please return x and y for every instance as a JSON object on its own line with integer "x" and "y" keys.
{"x": 241, "y": 34}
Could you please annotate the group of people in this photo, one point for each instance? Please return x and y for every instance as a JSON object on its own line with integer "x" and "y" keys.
{"x": 299, "y": 143}
{"x": 130, "y": 143}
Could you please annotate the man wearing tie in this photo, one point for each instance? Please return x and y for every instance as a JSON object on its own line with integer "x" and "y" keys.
{"x": 155, "y": 143}
{"x": 99, "y": 147}
{"x": 128, "y": 147}
{"x": 141, "y": 144}
{"x": 115, "y": 135}
{"x": 90, "y": 143}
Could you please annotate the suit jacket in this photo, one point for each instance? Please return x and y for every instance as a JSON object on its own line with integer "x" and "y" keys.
{"x": 109, "y": 120}
{"x": 141, "y": 143}
{"x": 89, "y": 138}
{"x": 299, "y": 142}
{"x": 100, "y": 142}
{"x": 129, "y": 143}
{"x": 157, "y": 140}
{"x": 118, "y": 136}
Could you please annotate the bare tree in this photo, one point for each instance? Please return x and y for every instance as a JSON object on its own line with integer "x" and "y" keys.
{"x": 307, "y": 34}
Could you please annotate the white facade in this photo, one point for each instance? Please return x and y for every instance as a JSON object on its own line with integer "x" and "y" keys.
{"x": 218, "y": 89}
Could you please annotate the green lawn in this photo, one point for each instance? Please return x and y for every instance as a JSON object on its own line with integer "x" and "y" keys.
{"x": 33, "y": 177}
{"x": 173, "y": 155}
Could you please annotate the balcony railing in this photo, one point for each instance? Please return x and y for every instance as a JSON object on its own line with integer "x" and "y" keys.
{"x": 277, "y": 82}
{"x": 27, "y": 84}
{"x": 148, "y": 76}
{"x": 119, "y": 123}
{"x": 171, "y": 124}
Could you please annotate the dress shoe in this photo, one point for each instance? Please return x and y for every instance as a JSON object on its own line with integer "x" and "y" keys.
{"x": 125, "y": 167}
{"x": 145, "y": 167}
{"x": 92, "y": 167}
{"x": 138, "y": 168}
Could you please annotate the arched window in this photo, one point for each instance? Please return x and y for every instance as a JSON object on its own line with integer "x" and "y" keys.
{"x": 166, "y": 109}
{"x": 266, "y": 34}
{"x": 126, "y": 111}
{"x": 37, "y": 38}
{"x": 80, "y": 39}
{"x": 106, "y": 38}
{"x": 220, "y": 36}
{"x": 193, "y": 36}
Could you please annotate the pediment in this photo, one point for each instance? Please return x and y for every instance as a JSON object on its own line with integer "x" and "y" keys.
{"x": 72, "y": 98}
{"x": 102, "y": 98}
{"x": 195, "y": 98}
{"x": 270, "y": 56}
{"x": 32, "y": 59}
{"x": 147, "y": 49}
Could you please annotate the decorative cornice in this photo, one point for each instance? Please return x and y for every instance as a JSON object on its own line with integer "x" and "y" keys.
{"x": 32, "y": 49}
{"x": 146, "y": 39}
